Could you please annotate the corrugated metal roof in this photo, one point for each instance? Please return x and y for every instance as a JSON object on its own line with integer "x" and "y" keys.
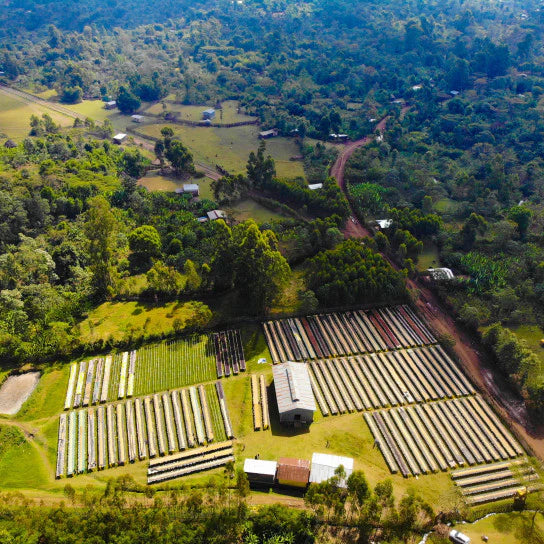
{"x": 293, "y": 387}
{"x": 293, "y": 470}
{"x": 258, "y": 466}
{"x": 324, "y": 465}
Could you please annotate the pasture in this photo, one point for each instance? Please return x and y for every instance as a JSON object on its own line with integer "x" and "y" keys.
{"x": 227, "y": 114}
{"x": 15, "y": 116}
{"x": 230, "y": 147}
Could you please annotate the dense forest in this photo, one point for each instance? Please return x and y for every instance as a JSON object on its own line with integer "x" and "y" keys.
{"x": 459, "y": 167}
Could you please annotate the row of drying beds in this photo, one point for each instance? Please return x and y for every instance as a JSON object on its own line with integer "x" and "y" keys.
{"x": 135, "y": 430}
{"x": 440, "y": 435}
{"x": 386, "y": 379}
{"x": 345, "y": 333}
{"x": 89, "y": 382}
{"x": 259, "y": 395}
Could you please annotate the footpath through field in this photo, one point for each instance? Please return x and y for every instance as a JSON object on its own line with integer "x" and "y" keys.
{"x": 511, "y": 407}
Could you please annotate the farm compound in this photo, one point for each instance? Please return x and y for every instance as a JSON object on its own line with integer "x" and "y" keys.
{"x": 424, "y": 414}
{"x": 137, "y": 429}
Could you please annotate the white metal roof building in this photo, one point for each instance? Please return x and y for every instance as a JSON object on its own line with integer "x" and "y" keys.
{"x": 315, "y": 186}
{"x": 119, "y": 138}
{"x": 324, "y": 465}
{"x": 440, "y": 273}
{"x": 294, "y": 395}
{"x": 260, "y": 471}
{"x": 216, "y": 214}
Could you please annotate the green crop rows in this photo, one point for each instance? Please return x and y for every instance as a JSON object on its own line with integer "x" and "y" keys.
{"x": 215, "y": 414}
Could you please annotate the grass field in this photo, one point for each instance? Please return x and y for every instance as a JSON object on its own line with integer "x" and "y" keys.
{"x": 156, "y": 182}
{"x": 230, "y": 147}
{"x": 227, "y": 114}
{"x": 249, "y": 209}
{"x": 121, "y": 319}
{"x": 429, "y": 257}
{"x": 15, "y": 116}
{"x": 511, "y": 528}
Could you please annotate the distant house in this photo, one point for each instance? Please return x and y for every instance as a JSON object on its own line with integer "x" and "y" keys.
{"x": 137, "y": 118}
{"x": 294, "y": 395}
{"x": 10, "y": 144}
{"x": 260, "y": 472}
{"x": 293, "y": 472}
{"x": 191, "y": 189}
{"x": 208, "y": 114}
{"x": 324, "y": 466}
{"x": 315, "y": 186}
{"x": 111, "y": 105}
{"x": 382, "y": 224}
{"x": 119, "y": 138}
{"x": 459, "y": 538}
{"x": 338, "y": 137}
{"x": 265, "y": 134}
{"x": 440, "y": 274}
{"x": 216, "y": 214}
{"x": 202, "y": 219}
{"x": 454, "y": 93}
{"x": 417, "y": 87}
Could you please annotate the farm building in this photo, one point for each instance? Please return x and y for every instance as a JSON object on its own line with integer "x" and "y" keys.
{"x": 293, "y": 472}
{"x": 315, "y": 186}
{"x": 111, "y": 105}
{"x": 459, "y": 538}
{"x": 438, "y": 274}
{"x": 216, "y": 214}
{"x": 338, "y": 137}
{"x": 324, "y": 465}
{"x": 296, "y": 403}
{"x": 191, "y": 189}
{"x": 137, "y": 118}
{"x": 260, "y": 472}
{"x": 382, "y": 224}
{"x": 208, "y": 114}
{"x": 10, "y": 144}
{"x": 265, "y": 134}
{"x": 119, "y": 138}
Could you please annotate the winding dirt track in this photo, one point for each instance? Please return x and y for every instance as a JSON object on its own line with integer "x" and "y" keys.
{"x": 489, "y": 382}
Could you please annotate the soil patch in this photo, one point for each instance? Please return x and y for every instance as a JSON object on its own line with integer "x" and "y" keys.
{"x": 16, "y": 390}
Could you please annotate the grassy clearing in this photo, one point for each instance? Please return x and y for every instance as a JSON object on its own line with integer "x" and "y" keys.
{"x": 249, "y": 209}
{"x": 15, "y": 116}
{"x": 429, "y": 257}
{"x": 230, "y": 147}
{"x": 156, "y": 182}
{"x": 119, "y": 320}
{"x": 289, "y": 301}
{"x": 20, "y": 463}
{"x": 173, "y": 364}
{"x": 511, "y": 528}
{"x": 227, "y": 114}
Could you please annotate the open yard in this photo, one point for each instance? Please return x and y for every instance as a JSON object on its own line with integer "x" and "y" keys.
{"x": 121, "y": 319}
{"x": 230, "y": 147}
{"x": 227, "y": 114}
{"x": 153, "y": 181}
{"x": 15, "y": 116}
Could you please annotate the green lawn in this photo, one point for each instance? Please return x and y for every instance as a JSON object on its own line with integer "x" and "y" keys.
{"x": 429, "y": 257}
{"x": 121, "y": 319}
{"x": 511, "y": 528}
{"x": 227, "y": 114}
{"x": 230, "y": 147}
{"x": 249, "y": 209}
{"x": 15, "y": 116}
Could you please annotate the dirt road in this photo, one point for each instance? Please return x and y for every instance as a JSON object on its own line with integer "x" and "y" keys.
{"x": 489, "y": 382}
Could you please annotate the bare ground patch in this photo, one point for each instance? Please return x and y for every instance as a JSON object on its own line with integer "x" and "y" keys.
{"x": 16, "y": 390}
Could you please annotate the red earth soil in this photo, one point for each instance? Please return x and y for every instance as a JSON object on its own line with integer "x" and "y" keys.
{"x": 490, "y": 383}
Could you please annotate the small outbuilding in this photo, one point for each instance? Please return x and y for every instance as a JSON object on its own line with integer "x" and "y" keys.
{"x": 293, "y": 472}
{"x": 10, "y": 144}
{"x": 315, "y": 186}
{"x": 382, "y": 224}
{"x": 324, "y": 466}
{"x": 459, "y": 538}
{"x": 216, "y": 214}
{"x": 137, "y": 118}
{"x": 208, "y": 114}
{"x": 119, "y": 138}
{"x": 266, "y": 134}
{"x": 260, "y": 472}
{"x": 440, "y": 274}
{"x": 110, "y": 105}
{"x": 191, "y": 189}
{"x": 294, "y": 395}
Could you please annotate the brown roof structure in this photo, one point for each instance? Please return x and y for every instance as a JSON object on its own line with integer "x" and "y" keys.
{"x": 293, "y": 470}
